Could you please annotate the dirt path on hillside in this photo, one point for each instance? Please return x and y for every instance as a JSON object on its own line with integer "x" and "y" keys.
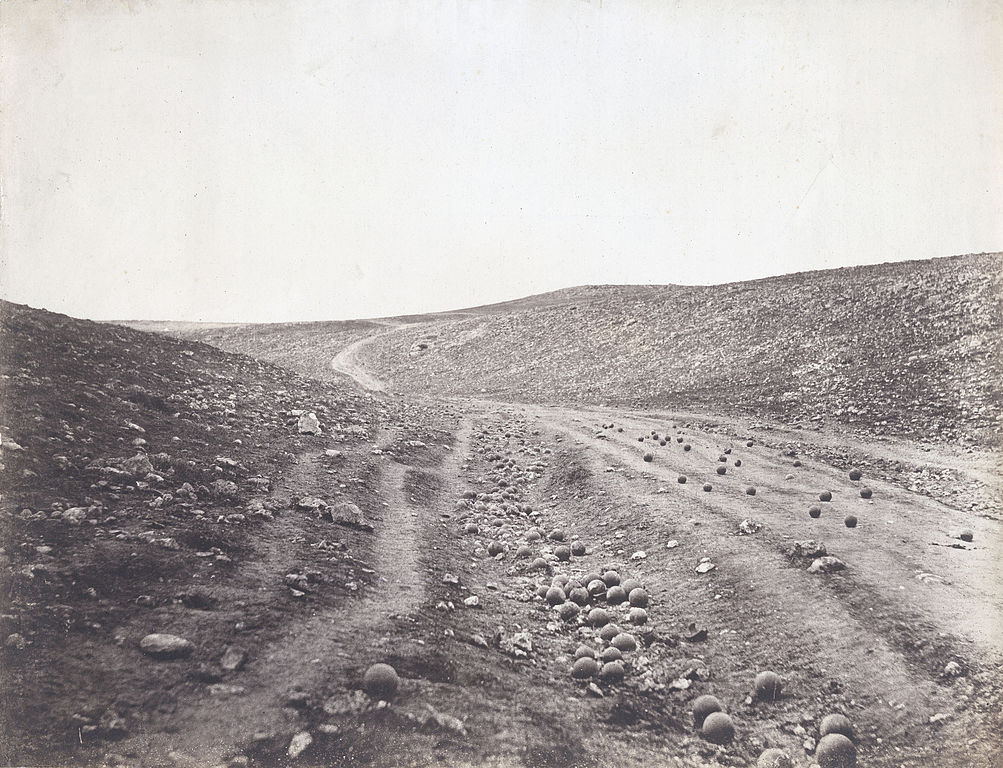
{"x": 346, "y": 362}
{"x": 314, "y": 654}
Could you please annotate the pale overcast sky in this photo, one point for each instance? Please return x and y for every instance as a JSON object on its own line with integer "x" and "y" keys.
{"x": 294, "y": 159}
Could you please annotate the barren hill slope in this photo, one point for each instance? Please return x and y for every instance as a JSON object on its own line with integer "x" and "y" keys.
{"x": 157, "y": 486}
{"x": 308, "y": 347}
{"x": 910, "y": 348}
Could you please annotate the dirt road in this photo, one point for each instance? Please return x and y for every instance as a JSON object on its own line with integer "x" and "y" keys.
{"x": 906, "y": 638}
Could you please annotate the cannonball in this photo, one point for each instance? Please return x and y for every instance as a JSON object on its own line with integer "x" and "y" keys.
{"x": 718, "y": 728}
{"x": 629, "y": 585}
{"x": 722, "y": 470}
{"x": 679, "y": 439}
{"x": 774, "y": 758}
{"x": 611, "y": 578}
{"x": 850, "y": 521}
{"x": 584, "y": 668}
{"x": 722, "y": 459}
{"x": 681, "y": 479}
{"x": 524, "y": 551}
{"x": 825, "y": 496}
{"x": 767, "y": 686}
{"x": 625, "y": 642}
{"x": 495, "y": 548}
{"x": 568, "y": 611}
{"x": 705, "y": 705}
{"x": 748, "y": 444}
{"x": 597, "y": 587}
{"x": 539, "y": 564}
{"x": 579, "y": 596}
{"x": 585, "y": 652}
{"x": 562, "y": 553}
{"x": 610, "y": 653}
{"x": 615, "y": 595}
{"x": 708, "y": 487}
{"x": 836, "y": 723}
{"x": 856, "y": 474}
{"x": 649, "y": 457}
{"x": 589, "y": 577}
{"x": 750, "y": 491}
{"x": 471, "y": 528}
{"x": 609, "y": 631}
{"x": 835, "y": 751}
{"x": 727, "y": 450}
{"x": 598, "y": 617}
{"x": 560, "y": 580}
{"x": 796, "y": 464}
{"x": 814, "y": 511}
{"x": 381, "y": 682}
{"x": 612, "y": 672}
{"x": 866, "y": 493}
{"x": 541, "y": 591}
{"x": 966, "y": 535}
{"x": 638, "y": 616}
{"x": 556, "y": 596}
{"x": 738, "y": 462}
{"x": 557, "y": 534}
{"x": 533, "y": 535}
{"x": 577, "y": 548}
{"x": 638, "y": 597}
{"x": 687, "y": 447}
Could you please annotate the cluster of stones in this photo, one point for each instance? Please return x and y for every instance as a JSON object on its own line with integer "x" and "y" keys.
{"x": 595, "y": 603}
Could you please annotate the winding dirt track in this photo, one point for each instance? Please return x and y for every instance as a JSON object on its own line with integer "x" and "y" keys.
{"x": 347, "y": 363}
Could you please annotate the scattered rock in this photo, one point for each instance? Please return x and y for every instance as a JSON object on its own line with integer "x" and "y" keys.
{"x": 827, "y": 564}
{"x": 808, "y": 548}
{"x": 348, "y": 514}
{"x": 16, "y": 641}
{"x": 165, "y": 646}
{"x": 309, "y": 424}
{"x": 138, "y": 466}
{"x": 953, "y": 669}
{"x": 233, "y": 658}
{"x": 439, "y": 721}
{"x": 300, "y": 742}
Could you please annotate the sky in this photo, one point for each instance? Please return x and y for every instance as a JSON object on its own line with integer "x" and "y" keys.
{"x": 270, "y": 160}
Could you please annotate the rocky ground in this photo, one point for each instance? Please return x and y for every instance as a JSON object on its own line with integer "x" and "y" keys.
{"x": 204, "y": 553}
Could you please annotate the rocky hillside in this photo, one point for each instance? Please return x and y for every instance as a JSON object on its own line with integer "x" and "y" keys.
{"x": 910, "y": 349}
{"x": 143, "y": 478}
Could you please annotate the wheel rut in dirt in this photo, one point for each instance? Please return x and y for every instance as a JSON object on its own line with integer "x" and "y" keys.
{"x": 318, "y": 654}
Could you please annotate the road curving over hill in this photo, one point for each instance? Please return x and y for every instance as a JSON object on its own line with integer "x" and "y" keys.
{"x": 346, "y": 362}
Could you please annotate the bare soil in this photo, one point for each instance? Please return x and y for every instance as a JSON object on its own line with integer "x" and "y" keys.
{"x": 905, "y": 639}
